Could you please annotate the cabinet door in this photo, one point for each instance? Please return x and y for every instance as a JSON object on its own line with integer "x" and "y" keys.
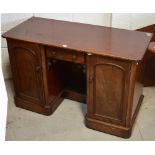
{"x": 26, "y": 68}
{"x": 107, "y": 89}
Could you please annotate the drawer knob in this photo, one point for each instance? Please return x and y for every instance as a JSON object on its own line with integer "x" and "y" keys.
{"x": 53, "y": 53}
{"x": 54, "y": 61}
{"x": 74, "y": 57}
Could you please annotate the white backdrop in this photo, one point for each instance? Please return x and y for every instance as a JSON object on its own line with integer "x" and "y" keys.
{"x": 3, "y": 104}
{"x": 132, "y": 21}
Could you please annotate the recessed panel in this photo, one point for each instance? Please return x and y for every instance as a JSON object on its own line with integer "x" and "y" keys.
{"x": 109, "y": 89}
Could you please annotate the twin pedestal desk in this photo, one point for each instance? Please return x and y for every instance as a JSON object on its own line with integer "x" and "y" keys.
{"x": 100, "y": 66}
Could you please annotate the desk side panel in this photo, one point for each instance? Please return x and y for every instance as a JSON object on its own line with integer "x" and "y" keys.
{"x": 53, "y": 81}
{"x": 138, "y": 87}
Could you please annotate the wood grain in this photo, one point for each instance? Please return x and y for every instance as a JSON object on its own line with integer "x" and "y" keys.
{"x": 124, "y": 44}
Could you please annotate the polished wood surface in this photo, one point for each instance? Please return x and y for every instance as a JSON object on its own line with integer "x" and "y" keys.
{"x": 114, "y": 94}
{"x": 108, "y": 82}
{"x": 29, "y": 83}
{"x": 102, "y": 67}
{"x": 64, "y": 54}
{"x": 87, "y": 38}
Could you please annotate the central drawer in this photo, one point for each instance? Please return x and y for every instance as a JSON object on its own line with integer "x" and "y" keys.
{"x": 65, "y": 54}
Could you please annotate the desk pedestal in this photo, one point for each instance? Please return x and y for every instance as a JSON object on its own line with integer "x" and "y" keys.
{"x": 114, "y": 94}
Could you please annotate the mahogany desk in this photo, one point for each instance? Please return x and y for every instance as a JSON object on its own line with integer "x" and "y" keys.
{"x": 101, "y": 66}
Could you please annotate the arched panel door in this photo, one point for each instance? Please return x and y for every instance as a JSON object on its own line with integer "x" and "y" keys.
{"x": 26, "y": 66}
{"x": 107, "y": 92}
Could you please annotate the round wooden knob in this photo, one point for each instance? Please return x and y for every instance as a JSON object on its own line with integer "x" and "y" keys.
{"x": 53, "y": 53}
{"x": 54, "y": 61}
{"x": 91, "y": 79}
{"x": 38, "y": 68}
{"x": 152, "y": 47}
{"x": 74, "y": 57}
{"x": 84, "y": 68}
{"x": 49, "y": 64}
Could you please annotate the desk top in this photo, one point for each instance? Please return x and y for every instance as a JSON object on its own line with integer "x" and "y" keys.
{"x": 120, "y": 43}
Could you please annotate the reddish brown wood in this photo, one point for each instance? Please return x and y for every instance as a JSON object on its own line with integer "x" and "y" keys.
{"x": 65, "y": 55}
{"x": 87, "y": 38}
{"x": 114, "y": 94}
{"x": 26, "y": 67}
{"x": 32, "y": 80}
{"x": 108, "y": 87}
{"x": 74, "y": 95}
{"x": 100, "y": 66}
{"x": 53, "y": 82}
{"x": 149, "y": 76}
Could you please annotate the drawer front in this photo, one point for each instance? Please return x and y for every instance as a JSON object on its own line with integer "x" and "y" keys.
{"x": 66, "y": 55}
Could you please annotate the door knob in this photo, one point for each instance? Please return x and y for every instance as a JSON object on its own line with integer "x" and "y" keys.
{"x": 49, "y": 65}
{"x": 91, "y": 79}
